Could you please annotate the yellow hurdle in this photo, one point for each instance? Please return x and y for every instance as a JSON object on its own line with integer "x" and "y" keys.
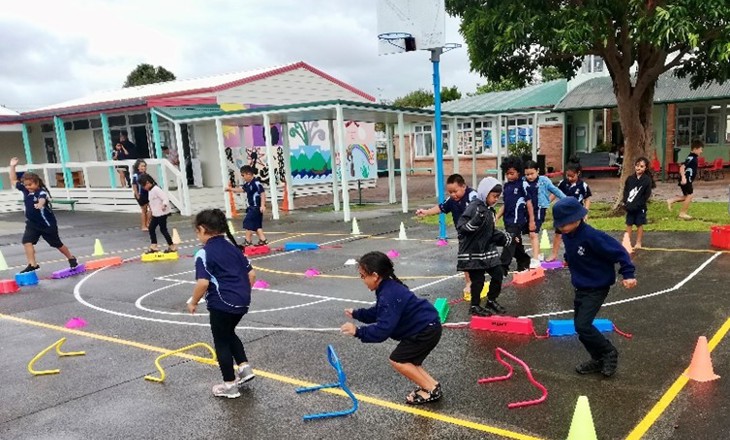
{"x": 57, "y": 345}
{"x": 160, "y": 379}
{"x": 160, "y": 256}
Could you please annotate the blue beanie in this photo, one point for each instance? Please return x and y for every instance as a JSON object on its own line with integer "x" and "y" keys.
{"x": 568, "y": 210}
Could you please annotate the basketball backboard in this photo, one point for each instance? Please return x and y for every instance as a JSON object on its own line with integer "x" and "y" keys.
{"x": 424, "y": 20}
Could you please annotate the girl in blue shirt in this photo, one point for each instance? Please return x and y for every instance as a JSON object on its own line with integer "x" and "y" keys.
{"x": 224, "y": 275}
{"x": 539, "y": 190}
{"x": 39, "y": 218}
{"x": 398, "y": 314}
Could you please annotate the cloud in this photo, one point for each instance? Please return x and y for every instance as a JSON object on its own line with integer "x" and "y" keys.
{"x": 99, "y": 43}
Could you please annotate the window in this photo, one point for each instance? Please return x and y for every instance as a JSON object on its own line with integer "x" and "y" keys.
{"x": 95, "y": 123}
{"x": 698, "y": 122}
{"x": 117, "y": 121}
{"x": 46, "y": 128}
{"x": 138, "y": 119}
{"x": 81, "y": 124}
{"x": 424, "y": 141}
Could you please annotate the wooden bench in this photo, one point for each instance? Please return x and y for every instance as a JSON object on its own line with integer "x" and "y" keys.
{"x": 593, "y": 163}
{"x": 71, "y": 202}
{"x": 411, "y": 171}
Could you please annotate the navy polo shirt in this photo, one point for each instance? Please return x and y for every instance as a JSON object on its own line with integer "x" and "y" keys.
{"x": 690, "y": 167}
{"x": 42, "y": 218}
{"x": 225, "y": 266}
{"x": 457, "y": 207}
{"x": 578, "y": 190}
{"x": 515, "y": 202}
{"x": 140, "y": 189}
{"x": 532, "y": 191}
{"x": 253, "y": 190}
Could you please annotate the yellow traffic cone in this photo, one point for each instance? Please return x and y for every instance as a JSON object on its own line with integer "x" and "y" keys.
{"x": 3, "y": 263}
{"x": 175, "y": 236}
{"x": 355, "y": 227}
{"x": 581, "y": 428}
{"x": 545, "y": 241}
{"x": 231, "y": 228}
{"x": 98, "y": 249}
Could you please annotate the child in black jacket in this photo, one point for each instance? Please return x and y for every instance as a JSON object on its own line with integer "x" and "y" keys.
{"x": 637, "y": 192}
{"x": 478, "y": 241}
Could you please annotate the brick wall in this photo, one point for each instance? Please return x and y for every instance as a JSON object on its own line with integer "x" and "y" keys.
{"x": 483, "y": 164}
{"x": 671, "y": 131}
{"x": 551, "y": 145}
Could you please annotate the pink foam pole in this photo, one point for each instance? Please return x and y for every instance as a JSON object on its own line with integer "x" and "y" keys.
{"x": 500, "y": 351}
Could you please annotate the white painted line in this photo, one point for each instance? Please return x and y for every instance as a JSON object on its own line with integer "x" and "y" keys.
{"x": 437, "y": 281}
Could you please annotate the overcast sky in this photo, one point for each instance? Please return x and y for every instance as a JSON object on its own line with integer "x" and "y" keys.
{"x": 52, "y": 51}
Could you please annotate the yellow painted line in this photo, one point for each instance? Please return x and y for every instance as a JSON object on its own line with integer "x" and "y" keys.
{"x": 289, "y": 380}
{"x": 699, "y": 251}
{"x": 654, "y": 414}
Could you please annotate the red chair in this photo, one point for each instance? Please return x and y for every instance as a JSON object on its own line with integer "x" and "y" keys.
{"x": 715, "y": 171}
{"x": 673, "y": 171}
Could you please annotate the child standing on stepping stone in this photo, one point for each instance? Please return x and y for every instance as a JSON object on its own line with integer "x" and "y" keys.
{"x": 39, "y": 218}
{"x": 478, "y": 241}
{"x": 592, "y": 256}
{"x": 225, "y": 276}
{"x": 160, "y": 211}
{"x": 256, "y": 197}
{"x": 539, "y": 190}
{"x": 398, "y": 314}
{"x": 459, "y": 197}
{"x": 518, "y": 213}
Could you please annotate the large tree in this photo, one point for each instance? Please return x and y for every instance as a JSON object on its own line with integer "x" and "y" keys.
{"x": 638, "y": 40}
{"x": 424, "y": 98}
{"x": 148, "y": 74}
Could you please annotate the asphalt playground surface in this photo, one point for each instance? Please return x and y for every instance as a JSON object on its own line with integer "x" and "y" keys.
{"x": 136, "y": 312}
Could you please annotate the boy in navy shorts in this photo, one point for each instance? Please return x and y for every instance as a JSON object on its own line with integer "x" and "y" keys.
{"x": 688, "y": 173}
{"x": 519, "y": 217}
{"x": 256, "y": 197}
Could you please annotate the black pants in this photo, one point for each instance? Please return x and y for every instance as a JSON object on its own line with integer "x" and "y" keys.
{"x": 162, "y": 223}
{"x": 477, "y": 283}
{"x": 587, "y": 303}
{"x": 515, "y": 250}
{"x": 228, "y": 347}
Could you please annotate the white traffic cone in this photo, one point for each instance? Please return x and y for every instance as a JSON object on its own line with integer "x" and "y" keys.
{"x": 355, "y": 227}
{"x": 402, "y": 233}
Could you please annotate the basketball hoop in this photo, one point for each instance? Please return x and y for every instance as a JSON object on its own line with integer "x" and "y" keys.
{"x": 402, "y": 40}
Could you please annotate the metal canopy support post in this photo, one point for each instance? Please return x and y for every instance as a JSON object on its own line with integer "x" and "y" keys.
{"x": 223, "y": 165}
{"x": 63, "y": 150}
{"x": 183, "y": 169}
{"x": 343, "y": 165}
{"x": 453, "y": 146}
{"x": 474, "y": 182}
{"x": 391, "y": 162}
{"x": 665, "y": 110}
{"x": 287, "y": 165}
{"x": 333, "y": 157}
{"x": 435, "y": 58}
{"x": 499, "y": 146}
{"x": 106, "y": 135}
{"x": 158, "y": 148}
{"x": 402, "y": 154}
{"x": 270, "y": 153}
{"x": 534, "y": 138}
{"x": 26, "y": 144}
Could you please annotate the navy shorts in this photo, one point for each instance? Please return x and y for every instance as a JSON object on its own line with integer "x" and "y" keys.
{"x": 687, "y": 189}
{"x": 50, "y": 234}
{"x": 540, "y": 218}
{"x": 637, "y": 217}
{"x": 415, "y": 349}
{"x": 143, "y": 200}
{"x": 254, "y": 219}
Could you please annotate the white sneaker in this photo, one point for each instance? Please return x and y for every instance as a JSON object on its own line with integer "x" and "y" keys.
{"x": 534, "y": 263}
{"x": 229, "y": 391}
{"x": 244, "y": 374}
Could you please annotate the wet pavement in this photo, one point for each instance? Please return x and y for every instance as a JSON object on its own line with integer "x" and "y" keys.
{"x": 136, "y": 311}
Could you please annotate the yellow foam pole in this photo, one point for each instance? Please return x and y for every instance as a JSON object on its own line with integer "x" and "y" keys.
{"x": 57, "y": 346}
{"x": 160, "y": 379}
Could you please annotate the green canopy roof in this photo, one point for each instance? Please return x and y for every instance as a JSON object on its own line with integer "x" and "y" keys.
{"x": 537, "y": 97}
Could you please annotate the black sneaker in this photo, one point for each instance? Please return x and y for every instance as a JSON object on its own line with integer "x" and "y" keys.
{"x": 589, "y": 367}
{"x": 263, "y": 242}
{"x": 30, "y": 268}
{"x": 72, "y": 262}
{"x": 479, "y": 311}
{"x": 610, "y": 363}
{"x": 496, "y": 307}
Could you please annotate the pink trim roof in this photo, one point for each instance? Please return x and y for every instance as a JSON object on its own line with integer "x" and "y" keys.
{"x": 182, "y": 88}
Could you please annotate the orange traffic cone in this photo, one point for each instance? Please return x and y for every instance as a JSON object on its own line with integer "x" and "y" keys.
{"x": 285, "y": 199}
{"x": 700, "y": 369}
{"x": 627, "y": 244}
{"x": 232, "y": 201}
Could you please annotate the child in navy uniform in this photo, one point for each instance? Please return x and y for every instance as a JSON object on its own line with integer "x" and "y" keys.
{"x": 140, "y": 169}
{"x": 224, "y": 275}
{"x": 572, "y": 186}
{"x": 478, "y": 241}
{"x": 39, "y": 218}
{"x": 518, "y": 213}
{"x": 539, "y": 190}
{"x": 256, "y": 197}
{"x": 637, "y": 191}
{"x": 688, "y": 173}
{"x": 592, "y": 256}
{"x": 459, "y": 197}
{"x": 398, "y": 314}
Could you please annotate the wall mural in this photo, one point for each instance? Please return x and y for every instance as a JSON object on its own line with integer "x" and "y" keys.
{"x": 253, "y": 152}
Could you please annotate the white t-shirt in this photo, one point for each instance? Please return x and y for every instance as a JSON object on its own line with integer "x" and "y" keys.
{"x": 159, "y": 202}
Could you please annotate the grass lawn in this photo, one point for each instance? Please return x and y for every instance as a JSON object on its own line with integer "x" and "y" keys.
{"x": 705, "y": 215}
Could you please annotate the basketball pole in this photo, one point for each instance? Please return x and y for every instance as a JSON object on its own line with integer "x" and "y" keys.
{"x": 435, "y": 58}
